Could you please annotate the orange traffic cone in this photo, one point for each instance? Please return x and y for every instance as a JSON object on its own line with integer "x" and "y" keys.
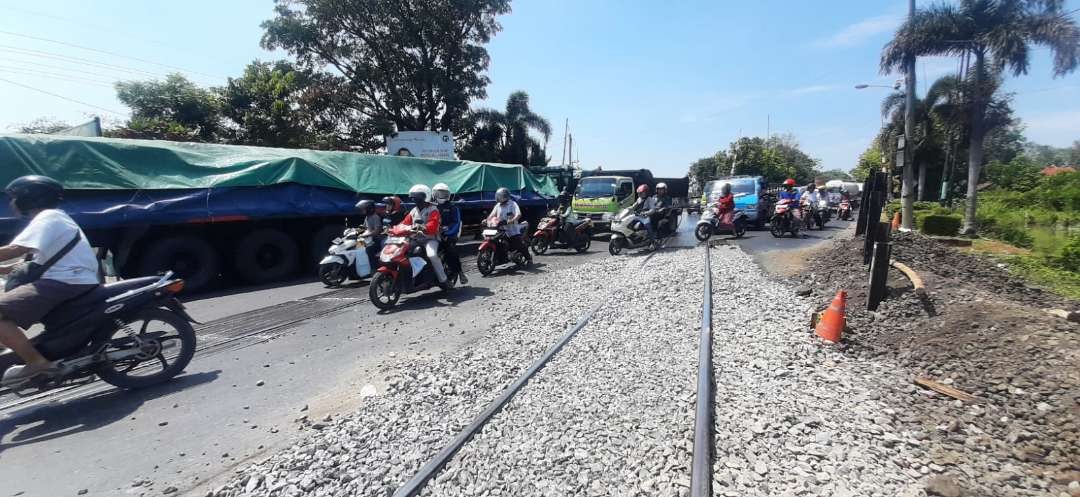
{"x": 831, "y": 324}
{"x": 896, "y": 221}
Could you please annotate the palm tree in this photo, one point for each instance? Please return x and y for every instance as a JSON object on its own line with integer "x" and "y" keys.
{"x": 996, "y": 35}
{"x": 515, "y": 143}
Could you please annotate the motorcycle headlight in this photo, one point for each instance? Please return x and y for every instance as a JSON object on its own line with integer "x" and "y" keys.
{"x": 751, "y": 207}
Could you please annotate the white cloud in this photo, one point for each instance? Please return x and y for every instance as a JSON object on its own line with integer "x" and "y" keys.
{"x": 860, "y": 32}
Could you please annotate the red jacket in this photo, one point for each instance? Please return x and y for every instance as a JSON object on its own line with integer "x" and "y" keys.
{"x": 725, "y": 203}
{"x": 432, "y": 223}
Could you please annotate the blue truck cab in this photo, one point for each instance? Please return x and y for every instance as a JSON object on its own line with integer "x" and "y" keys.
{"x": 749, "y": 192}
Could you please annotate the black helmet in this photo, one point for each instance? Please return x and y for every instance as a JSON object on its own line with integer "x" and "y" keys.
{"x": 365, "y": 206}
{"x": 502, "y": 195}
{"x": 35, "y": 192}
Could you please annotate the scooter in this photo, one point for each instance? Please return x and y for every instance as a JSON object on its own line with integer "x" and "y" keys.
{"x": 495, "y": 250}
{"x": 628, "y": 231}
{"x": 783, "y": 219}
{"x": 552, "y": 233}
{"x": 710, "y": 224}
{"x": 347, "y": 259}
{"x": 131, "y": 334}
{"x": 824, "y": 213}
{"x": 405, "y": 268}
{"x": 844, "y": 211}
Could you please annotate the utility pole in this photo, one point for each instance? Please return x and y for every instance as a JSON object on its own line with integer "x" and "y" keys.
{"x": 565, "y": 133}
{"x": 907, "y": 190}
{"x": 571, "y": 158}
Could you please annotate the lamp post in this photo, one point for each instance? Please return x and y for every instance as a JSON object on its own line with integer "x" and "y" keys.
{"x": 881, "y": 133}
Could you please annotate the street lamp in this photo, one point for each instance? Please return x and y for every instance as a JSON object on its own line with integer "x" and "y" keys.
{"x": 895, "y": 86}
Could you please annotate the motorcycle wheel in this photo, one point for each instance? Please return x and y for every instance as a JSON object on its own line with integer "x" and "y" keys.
{"x": 160, "y": 331}
{"x": 539, "y": 245}
{"x": 616, "y": 246}
{"x": 740, "y": 228}
{"x": 776, "y": 227}
{"x": 703, "y": 232}
{"x": 584, "y": 247}
{"x": 383, "y": 292}
{"x": 485, "y": 262}
{"x": 332, "y": 274}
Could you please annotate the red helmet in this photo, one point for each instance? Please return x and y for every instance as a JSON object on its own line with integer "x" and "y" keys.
{"x": 789, "y": 182}
{"x": 643, "y": 190}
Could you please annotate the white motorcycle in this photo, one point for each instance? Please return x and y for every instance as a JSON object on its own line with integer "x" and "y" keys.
{"x": 346, "y": 259}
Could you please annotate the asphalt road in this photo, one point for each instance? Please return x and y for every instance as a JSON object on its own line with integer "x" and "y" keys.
{"x": 267, "y": 356}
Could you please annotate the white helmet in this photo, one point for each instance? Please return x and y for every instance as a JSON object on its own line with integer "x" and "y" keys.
{"x": 502, "y": 195}
{"x": 420, "y": 193}
{"x": 441, "y": 192}
{"x": 661, "y": 185}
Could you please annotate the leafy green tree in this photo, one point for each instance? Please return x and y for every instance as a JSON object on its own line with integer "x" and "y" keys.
{"x": 835, "y": 174}
{"x": 1021, "y": 174}
{"x": 869, "y": 162}
{"x": 707, "y": 169}
{"x": 995, "y": 35}
{"x": 777, "y": 159}
{"x": 508, "y": 135}
{"x": 265, "y": 105}
{"x": 405, "y": 64}
{"x": 173, "y": 109}
{"x": 41, "y": 126}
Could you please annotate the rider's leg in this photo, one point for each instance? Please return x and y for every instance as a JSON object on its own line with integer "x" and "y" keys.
{"x": 432, "y": 249}
{"x": 14, "y": 338}
{"x": 454, "y": 260}
{"x": 652, "y": 230}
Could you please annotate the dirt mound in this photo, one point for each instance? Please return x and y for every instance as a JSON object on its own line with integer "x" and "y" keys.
{"x": 982, "y": 331}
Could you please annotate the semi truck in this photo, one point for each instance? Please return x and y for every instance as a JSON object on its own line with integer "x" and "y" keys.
{"x": 220, "y": 213}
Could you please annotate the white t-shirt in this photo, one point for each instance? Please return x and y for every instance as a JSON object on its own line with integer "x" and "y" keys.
{"x": 506, "y": 212}
{"x": 49, "y": 232}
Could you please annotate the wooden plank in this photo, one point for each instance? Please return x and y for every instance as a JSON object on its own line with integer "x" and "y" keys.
{"x": 945, "y": 389}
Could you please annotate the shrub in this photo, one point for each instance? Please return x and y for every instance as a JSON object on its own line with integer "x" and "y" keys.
{"x": 1008, "y": 232}
{"x": 1069, "y": 259}
{"x": 936, "y": 224}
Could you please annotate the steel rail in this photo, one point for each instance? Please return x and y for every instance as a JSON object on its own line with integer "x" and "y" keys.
{"x": 704, "y": 443}
{"x": 414, "y": 485}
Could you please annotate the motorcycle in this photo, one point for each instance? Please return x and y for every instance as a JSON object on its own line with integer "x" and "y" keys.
{"x": 551, "y": 233}
{"x": 405, "y": 268}
{"x": 495, "y": 250}
{"x": 346, "y": 259}
{"x": 824, "y": 211}
{"x": 132, "y": 334}
{"x": 844, "y": 211}
{"x": 628, "y": 231}
{"x": 783, "y": 219}
{"x": 710, "y": 224}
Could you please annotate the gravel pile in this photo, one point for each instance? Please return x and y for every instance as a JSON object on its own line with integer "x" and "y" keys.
{"x": 612, "y": 413}
{"x": 984, "y": 332}
{"x": 794, "y": 416}
{"x": 373, "y": 451}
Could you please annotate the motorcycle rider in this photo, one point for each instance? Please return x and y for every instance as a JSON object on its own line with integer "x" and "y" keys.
{"x": 789, "y": 193}
{"x": 425, "y": 218}
{"x": 50, "y": 230}
{"x": 450, "y": 216}
{"x": 373, "y": 227}
{"x": 645, "y": 205}
{"x": 810, "y": 198}
{"x": 725, "y": 203}
{"x": 507, "y": 212}
{"x": 565, "y": 210}
{"x": 394, "y": 213}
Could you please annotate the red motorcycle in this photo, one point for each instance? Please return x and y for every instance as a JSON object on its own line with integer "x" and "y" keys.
{"x": 844, "y": 211}
{"x": 405, "y": 268}
{"x": 783, "y": 219}
{"x": 495, "y": 249}
{"x": 552, "y": 233}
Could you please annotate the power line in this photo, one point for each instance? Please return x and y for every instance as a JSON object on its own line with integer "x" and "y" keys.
{"x": 49, "y": 66}
{"x": 106, "y": 52}
{"x": 39, "y": 90}
{"x": 67, "y": 77}
{"x": 76, "y": 60}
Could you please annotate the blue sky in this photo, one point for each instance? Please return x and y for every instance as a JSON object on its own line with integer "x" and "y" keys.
{"x": 644, "y": 84}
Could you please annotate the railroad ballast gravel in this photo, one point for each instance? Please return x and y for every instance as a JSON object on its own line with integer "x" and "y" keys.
{"x": 612, "y": 413}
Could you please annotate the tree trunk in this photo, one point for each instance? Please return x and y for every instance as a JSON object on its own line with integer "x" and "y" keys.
{"x": 922, "y": 181}
{"x": 975, "y": 146}
{"x": 907, "y": 194}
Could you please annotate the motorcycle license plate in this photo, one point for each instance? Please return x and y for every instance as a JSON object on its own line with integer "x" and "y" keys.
{"x": 490, "y": 232}
{"x": 395, "y": 240}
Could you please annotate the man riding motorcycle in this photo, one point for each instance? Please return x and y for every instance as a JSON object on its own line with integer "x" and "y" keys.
{"x": 726, "y": 202}
{"x": 507, "y": 212}
{"x": 789, "y": 193}
{"x": 394, "y": 213}
{"x": 451, "y": 221}
{"x": 427, "y": 219}
{"x": 50, "y": 233}
{"x": 373, "y": 227}
{"x": 811, "y": 197}
{"x": 646, "y": 205}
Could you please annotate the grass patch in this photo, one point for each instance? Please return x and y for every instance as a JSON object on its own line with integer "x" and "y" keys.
{"x": 1033, "y": 268}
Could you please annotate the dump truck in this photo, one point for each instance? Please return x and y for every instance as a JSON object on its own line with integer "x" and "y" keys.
{"x": 220, "y": 213}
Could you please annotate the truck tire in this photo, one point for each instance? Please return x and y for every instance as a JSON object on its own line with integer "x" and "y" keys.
{"x": 191, "y": 258}
{"x": 321, "y": 241}
{"x": 266, "y": 255}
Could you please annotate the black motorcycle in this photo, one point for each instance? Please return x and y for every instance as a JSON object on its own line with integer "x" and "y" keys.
{"x": 553, "y": 233}
{"x": 495, "y": 250}
{"x": 132, "y": 334}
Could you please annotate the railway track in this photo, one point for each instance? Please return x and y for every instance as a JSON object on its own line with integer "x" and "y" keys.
{"x": 703, "y": 441}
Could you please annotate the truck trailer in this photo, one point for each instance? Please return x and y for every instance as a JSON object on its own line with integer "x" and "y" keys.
{"x": 255, "y": 213}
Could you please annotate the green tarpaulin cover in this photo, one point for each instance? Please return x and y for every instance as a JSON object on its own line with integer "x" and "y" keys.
{"x": 109, "y": 164}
